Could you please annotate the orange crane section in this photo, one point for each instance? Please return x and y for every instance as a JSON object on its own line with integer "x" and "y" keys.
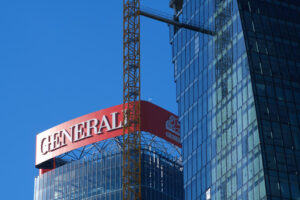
{"x": 131, "y": 101}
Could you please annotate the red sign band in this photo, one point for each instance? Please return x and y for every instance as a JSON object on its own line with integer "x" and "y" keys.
{"x": 102, "y": 125}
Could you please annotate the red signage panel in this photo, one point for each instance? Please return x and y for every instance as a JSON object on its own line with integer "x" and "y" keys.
{"x": 160, "y": 122}
{"x": 102, "y": 125}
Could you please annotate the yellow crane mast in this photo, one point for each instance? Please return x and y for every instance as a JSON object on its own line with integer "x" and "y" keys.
{"x": 131, "y": 101}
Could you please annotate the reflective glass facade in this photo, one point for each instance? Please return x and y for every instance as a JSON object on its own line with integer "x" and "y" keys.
{"x": 100, "y": 178}
{"x": 240, "y": 125}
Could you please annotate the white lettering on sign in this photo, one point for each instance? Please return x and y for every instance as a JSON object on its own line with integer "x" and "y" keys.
{"x": 91, "y": 125}
{"x": 104, "y": 124}
{"x": 173, "y": 137}
{"x": 79, "y": 132}
{"x": 114, "y": 121}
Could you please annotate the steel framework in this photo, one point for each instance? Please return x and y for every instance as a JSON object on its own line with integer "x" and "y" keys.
{"x": 148, "y": 142}
{"x": 131, "y": 101}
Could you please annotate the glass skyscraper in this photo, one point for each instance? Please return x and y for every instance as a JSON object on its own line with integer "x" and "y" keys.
{"x": 238, "y": 95}
{"x": 99, "y": 177}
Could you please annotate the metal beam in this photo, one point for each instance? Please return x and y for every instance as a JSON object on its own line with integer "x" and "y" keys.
{"x": 176, "y": 23}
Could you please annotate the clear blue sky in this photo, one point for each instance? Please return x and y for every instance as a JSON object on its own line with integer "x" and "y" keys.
{"x": 60, "y": 59}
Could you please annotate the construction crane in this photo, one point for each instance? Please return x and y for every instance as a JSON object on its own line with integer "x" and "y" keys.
{"x": 131, "y": 101}
{"x": 132, "y": 91}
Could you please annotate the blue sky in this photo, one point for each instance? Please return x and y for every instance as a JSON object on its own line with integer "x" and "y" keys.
{"x": 60, "y": 59}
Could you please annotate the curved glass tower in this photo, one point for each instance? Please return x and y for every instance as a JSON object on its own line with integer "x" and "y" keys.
{"x": 238, "y": 95}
